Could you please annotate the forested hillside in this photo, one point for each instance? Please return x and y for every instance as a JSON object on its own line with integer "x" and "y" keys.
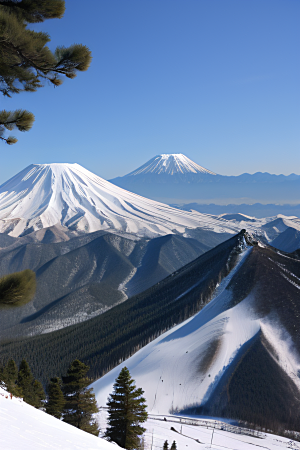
{"x": 106, "y": 340}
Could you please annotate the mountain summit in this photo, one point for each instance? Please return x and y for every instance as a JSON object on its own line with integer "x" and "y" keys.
{"x": 170, "y": 164}
{"x": 174, "y": 178}
{"x": 43, "y": 195}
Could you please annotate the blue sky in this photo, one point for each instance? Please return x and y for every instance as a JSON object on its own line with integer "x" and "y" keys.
{"x": 216, "y": 80}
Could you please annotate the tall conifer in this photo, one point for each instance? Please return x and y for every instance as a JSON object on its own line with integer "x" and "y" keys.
{"x": 80, "y": 401}
{"x": 10, "y": 378}
{"x": 126, "y": 411}
{"x": 56, "y": 400}
{"x": 32, "y": 390}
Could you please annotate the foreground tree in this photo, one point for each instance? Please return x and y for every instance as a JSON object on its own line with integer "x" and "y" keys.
{"x": 17, "y": 288}
{"x": 25, "y": 59}
{"x": 80, "y": 401}
{"x": 56, "y": 400}
{"x": 126, "y": 411}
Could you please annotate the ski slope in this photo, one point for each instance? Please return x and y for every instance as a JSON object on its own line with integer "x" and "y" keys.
{"x": 184, "y": 366}
{"x": 25, "y": 428}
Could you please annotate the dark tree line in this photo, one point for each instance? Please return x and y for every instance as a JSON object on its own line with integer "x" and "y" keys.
{"x": 21, "y": 383}
{"x": 69, "y": 398}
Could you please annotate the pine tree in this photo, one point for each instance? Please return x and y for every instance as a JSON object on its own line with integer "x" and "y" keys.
{"x": 126, "y": 410}
{"x": 10, "y": 378}
{"x": 56, "y": 400}
{"x": 173, "y": 446}
{"x": 17, "y": 288}
{"x": 166, "y": 445}
{"x": 32, "y": 390}
{"x": 80, "y": 401}
{"x": 25, "y": 59}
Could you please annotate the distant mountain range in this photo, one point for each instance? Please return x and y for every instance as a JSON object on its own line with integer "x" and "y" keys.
{"x": 84, "y": 276}
{"x": 258, "y": 210}
{"x": 174, "y": 178}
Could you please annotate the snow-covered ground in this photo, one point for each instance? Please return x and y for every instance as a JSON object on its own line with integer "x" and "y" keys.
{"x": 22, "y": 427}
{"x": 193, "y": 437}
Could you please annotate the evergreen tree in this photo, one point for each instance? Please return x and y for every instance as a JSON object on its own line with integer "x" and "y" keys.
{"x": 25, "y": 59}
{"x": 39, "y": 394}
{"x": 10, "y": 378}
{"x": 56, "y": 400}
{"x": 166, "y": 445}
{"x": 80, "y": 401}
{"x": 126, "y": 410}
{"x": 33, "y": 392}
{"x": 173, "y": 446}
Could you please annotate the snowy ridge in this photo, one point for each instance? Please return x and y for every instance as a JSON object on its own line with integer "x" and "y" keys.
{"x": 43, "y": 195}
{"x": 186, "y": 366}
{"x": 170, "y": 164}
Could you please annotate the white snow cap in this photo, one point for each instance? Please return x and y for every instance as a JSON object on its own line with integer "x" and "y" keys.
{"x": 170, "y": 164}
{"x": 43, "y": 195}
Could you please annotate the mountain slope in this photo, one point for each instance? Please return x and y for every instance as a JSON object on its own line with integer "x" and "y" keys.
{"x": 117, "y": 333}
{"x": 288, "y": 240}
{"x": 43, "y": 195}
{"x": 177, "y": 179}
{"x": 86, "y": 275}
{"x": 238, "y": 357}
{"x": 174, "y": 164}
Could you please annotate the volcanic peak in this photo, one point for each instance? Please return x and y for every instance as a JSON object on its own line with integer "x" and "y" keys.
{"x": 170, "y": 164}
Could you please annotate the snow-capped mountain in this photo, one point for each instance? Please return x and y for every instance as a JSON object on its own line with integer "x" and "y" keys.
{"x": 239, "y": 357}
{"x": 174, "y": 178}
{"x": 172, "y": 164}
{"x": 43, "y": 195}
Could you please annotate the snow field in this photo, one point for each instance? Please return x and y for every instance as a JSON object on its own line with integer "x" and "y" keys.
{"x": 22, "y": 427}
{"x": 192, "y": 437}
